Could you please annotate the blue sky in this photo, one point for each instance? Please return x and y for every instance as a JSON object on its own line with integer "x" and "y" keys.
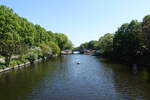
{"x": 81, "y": 20}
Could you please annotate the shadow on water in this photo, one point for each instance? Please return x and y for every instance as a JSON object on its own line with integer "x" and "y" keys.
{"x": 130, "y": 83}
{"x": 18, "y": 84}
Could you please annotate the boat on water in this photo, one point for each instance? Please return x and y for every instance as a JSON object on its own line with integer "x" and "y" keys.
{"x": 78, "y": 62}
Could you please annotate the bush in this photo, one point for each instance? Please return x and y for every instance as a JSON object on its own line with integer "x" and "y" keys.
{"x": 46, "y": 50}
{"x": 15, "y": 62}
{"x": 54, "y": 47}
{"x": 32, "y": 54}
{"x": 2, "y": 65}
{"x": 23, "y": 59}
{"x": 32, "y": 57}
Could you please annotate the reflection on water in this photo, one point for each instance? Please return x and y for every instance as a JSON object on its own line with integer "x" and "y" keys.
{"x": 63, "y": 79}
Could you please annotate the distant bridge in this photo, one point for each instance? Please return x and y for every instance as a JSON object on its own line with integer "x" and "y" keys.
{"x": 76, "y": 51}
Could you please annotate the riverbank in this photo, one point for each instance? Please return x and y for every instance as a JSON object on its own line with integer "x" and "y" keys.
{"x": 19, "y": 66}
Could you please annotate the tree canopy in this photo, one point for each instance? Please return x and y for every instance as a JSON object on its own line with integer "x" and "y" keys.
{"x": 17, "y": 32}
{"x": 130, "y": 43}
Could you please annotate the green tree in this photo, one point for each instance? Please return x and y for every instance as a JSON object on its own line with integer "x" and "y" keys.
{"x": 127, "y": 42}
{"x": 69, "y": 45}
{"x": 93, "y": 45}
{"x": 106, "y": 44}
{"x": 8, "y": 47}
{"x": 146, "y": 30}
{"x": 54, "y": 47}
{"x": 83, "y": 46}
{"x": 9, "y": 39}
{"x": 41, "y": 34}
{"x": 61, "y": 40}
{"x": 51, "y": 36}
{"x": 20, "y": 37}
{"x": 45, "y": 50}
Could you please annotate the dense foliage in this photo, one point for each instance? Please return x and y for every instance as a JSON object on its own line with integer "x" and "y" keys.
{"x": 20, "y": 37}
{"x": 129, "y": 44}
{"x": 93, "y": 44}
{"x": 106, "y": 44}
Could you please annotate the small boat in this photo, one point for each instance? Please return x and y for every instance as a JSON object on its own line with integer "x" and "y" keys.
{"x": 78, "y": 62}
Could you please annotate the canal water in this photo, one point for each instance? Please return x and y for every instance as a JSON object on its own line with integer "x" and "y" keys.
{"x": 63, "y": 79}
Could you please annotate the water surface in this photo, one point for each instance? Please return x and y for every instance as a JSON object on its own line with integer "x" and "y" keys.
{"x": 63, "y": 79}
